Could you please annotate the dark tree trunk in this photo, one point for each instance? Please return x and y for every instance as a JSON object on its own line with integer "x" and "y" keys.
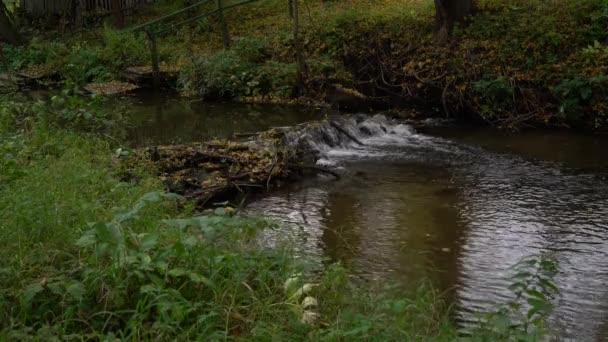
{"x": 301, "y": 63}
{"x": 448, "y": 13}
{"x": 119, "y": 15}
{"x": 8, "y": 33}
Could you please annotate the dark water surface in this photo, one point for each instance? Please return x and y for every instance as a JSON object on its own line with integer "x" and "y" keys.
{"x": 162, "y": 119}
{"x": 458, "y": 206}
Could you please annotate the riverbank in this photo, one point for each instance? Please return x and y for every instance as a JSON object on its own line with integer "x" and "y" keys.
{"x": 512, "y": 66}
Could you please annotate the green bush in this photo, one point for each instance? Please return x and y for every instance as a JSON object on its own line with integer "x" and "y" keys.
{"x": 251, "y": 50}
{"x": 67, "y": 110}
{"x": 37, "y": 52}
{"x": 577, "y": 97}
{"x": 84, "y": 65}
{"x": 121, "y": 50}
{"x": 240, "y": 71}
{"x": 214, "y": 76}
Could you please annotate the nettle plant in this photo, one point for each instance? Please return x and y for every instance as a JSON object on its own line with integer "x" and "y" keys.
{"x": 523, "y": 318}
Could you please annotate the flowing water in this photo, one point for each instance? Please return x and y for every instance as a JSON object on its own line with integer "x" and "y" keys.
{"x": 458, "y": 206}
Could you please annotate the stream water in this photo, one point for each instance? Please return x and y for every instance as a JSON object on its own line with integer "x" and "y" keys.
{"x": 458, "y": 206}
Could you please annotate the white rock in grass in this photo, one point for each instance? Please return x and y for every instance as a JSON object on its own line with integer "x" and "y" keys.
{"x": 291, "y": 284}
{"x": 307, "y": 288}
{"x": 302, "y": 291}
{"x": 309, "y": 303}
{"x": 309, "y": 317}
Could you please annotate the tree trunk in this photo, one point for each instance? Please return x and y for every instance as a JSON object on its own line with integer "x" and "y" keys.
{"x": 447, "y": 14}
{"x": 119, "y": 15}
{"x": 8, "y": 33}
{"x": 301, "y": 63}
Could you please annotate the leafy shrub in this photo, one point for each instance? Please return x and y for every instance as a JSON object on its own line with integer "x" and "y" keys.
{"x": 524, "y": 316}
{"x": 251, "y": 50}
{"x": 576, "y": 95}
{"x": 84, "y": 65}
{"x": 240, "y": 71}
{"x": 37, "y": 52}
{"x": 123, "y": 49}
{"x": 495, "y": 95}
{"x": 63, "y": 111}
{"x": 214, "y": 76}
{"x": 129, "y": 284}
{"x": 280, "y": 78}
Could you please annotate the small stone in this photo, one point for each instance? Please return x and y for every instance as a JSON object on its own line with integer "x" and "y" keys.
{"x": 309, "y": 303}
{"x": 309, "y": 317}
{"x": 446, "y": 250}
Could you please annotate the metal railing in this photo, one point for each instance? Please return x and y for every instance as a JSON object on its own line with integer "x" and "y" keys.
{"x": 164, "y": 24}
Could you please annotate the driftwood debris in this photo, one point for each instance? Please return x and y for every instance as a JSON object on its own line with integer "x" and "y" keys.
{"x": 110, "y": 88}
{"x": 220, "y": 170}
{"x": 214, "y": 171}
{"x": 143, "y": 76}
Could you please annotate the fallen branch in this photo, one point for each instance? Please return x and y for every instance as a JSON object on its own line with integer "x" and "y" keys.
{"x": 345, "y": 132}
{"x": 222, "y": 170}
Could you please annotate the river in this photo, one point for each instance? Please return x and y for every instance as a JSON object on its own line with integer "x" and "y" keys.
{"x": 455, "y": 205}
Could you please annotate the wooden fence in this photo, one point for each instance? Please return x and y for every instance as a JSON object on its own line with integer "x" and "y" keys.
{"x": 79, "y": 8}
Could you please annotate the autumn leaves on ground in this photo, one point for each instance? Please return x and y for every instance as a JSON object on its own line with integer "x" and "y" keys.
{"x": 511, "y": 64}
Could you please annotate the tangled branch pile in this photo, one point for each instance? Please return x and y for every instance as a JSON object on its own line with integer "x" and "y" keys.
{"x": 219, "y": 170}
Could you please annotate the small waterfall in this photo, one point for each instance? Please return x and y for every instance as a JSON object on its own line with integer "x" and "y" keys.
{"x": 348, "y": 134}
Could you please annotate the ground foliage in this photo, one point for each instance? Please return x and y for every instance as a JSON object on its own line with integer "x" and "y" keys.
{"x": 515, "y": 63}
{"x": 511, "y": 65}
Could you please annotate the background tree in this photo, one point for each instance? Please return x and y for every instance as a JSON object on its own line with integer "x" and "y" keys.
{"x": 448, "y": 13}
{"x": 8, "y": 33}
{"x": 301, "y": 63}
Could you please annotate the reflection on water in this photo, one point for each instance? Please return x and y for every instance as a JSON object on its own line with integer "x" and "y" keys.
{"x": 159, "y": 119}
{"x": 420, "y": 207}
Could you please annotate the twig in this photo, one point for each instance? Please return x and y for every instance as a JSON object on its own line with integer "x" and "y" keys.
{"x": 443, "y": 96}
{"x": 343, "y": 131}
{"x": 270, "y": 176}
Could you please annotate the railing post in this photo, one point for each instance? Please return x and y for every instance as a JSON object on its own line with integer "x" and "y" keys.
{"x": 224, "y": 28}
{"x": 154, "y": 55}
{"x": 301, "y": 63}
